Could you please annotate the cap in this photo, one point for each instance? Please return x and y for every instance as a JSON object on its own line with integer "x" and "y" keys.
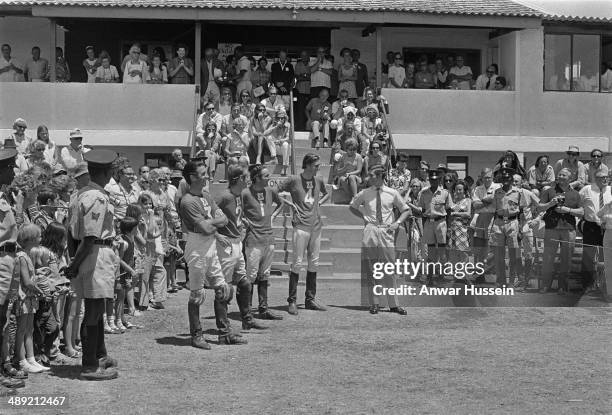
{"x": 573, "y": 149}
{"x": 234, "y": 172}
{"x": 424, "y": 164}
{"x": 100, "y": 158}
{"x": 442, "y": 166}
{"x": 506, "y": 172}
{"x": 7, "y": 156}
{"x": 434, "y": 174}
{"x": 372, "y": 107}
{"x": 81, "y": 169}
{"x": 20, "y": 122}
{"x": 75, "y": 133}
{"x": 58, "y": 170}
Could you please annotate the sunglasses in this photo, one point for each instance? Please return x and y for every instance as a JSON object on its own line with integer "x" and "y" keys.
{"x": 596, "y": 156}
{"x": 210, "y": 109}
{"x": 448, "y": 181}
{"x": 375, "y": 148}
{"x": 572, "y": 154}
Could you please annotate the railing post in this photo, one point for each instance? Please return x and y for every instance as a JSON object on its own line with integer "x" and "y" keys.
{"x": 52, "y": 54}
{"x": 292, "y": 132}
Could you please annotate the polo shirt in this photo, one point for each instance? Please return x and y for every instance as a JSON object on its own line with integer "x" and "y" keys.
{"x": 305, "y": 195}
{"x": 589, "y": 200}
{"x": 258, "y": 208}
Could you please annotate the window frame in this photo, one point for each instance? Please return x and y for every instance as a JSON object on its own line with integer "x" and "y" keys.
{"x": 459, "y": 159}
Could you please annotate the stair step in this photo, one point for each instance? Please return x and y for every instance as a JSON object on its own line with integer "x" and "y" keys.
{"x": 280, "y": 243}
{"x": 345, "y": 259}
{"x": 325, "y": 268}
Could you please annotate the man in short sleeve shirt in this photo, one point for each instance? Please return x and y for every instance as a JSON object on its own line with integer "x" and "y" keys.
{"x": 258, "y": 202}
{"x": 307, "y": 193}
{"x": 95, "y": 263}
{"x": 375, "y": 205}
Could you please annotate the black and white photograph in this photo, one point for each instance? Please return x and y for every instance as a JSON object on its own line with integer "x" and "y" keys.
{"x": 320, "y": 207}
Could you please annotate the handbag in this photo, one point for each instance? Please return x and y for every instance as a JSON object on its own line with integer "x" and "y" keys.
{"x": 259, "y": 91}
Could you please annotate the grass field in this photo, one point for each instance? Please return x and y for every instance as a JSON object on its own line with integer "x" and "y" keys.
{"x": 346, "y": 361}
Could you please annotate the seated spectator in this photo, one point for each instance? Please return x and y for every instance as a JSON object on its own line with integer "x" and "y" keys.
{"x": 441, "y": 74}
{"x": 50, "y": 153}
{"x": 279, "y": 137}
{"x": 273, "y": 103}
{"x": 541, "y": 175}
{"x": 578, "y": 177}
{"x": 260, "y": 78}
{"x": 606, "y": 77}
{"x": 106, "y": 73}
{"x": 318, "y": 116}
{"x": 424, "y": 79}
{"x": 376, "y": 157}
{"x": 595, "y": 165}
{"x": 136, "y": 70}
{"x": 10, "y": 68}
{"x": 157, "y": 71}
{"x": 486, "y": 81}
{"x": 348, "y": 168}
{"x": 461, "y": 73}
{"x": 509, "y": 160}
{"x": 227, "y": 122}
{"x": 347, "y": 118}
{"x": 372, "y": 128}
{"x": 339, "y": 105}
{"x": 210, "y": 143}
{"x": 178, "y": 162}
{"x": 72, "y": 155}
{"x": 128, "y": 57}
{"x": 349, "y": 131}
{"x": 397, "y": 73}
{"x": 261, "y": 144}
{"x": 347, "y": 74}
{"x": 226, "y": 101}
{"x": 91, "y": 64}
{"x": 237, "y": 144}
{"x": 62, "y": 69}
{"x": 501, "y": 84}
{"x": 181, "y": 67}
{"x": 19, "y": 139}
{"x": 247, "y": 107}
{"x": 37, "y": 68}
{"x": 209, "y": 115}
{"x": 369, "y": 98}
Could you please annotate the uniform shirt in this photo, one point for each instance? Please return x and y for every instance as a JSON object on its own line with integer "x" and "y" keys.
{"x": 194, "y": 209}
{"x": 591, "y": 170}
{"x": 508, "y": 203}
{"x": 400, "y": 181}
{"x": 434, "y": 204}
{"x": 578, "y": 172}
{"x": 231, "y": 206}
{"x": 572, "y": 201}
{"x": 36, "y": 70}
{"x": 589, "y": 200}
{"x": 93, "y": 213}
{"x": 480, "y": 193}
{"x": 258, "y": 209}
{"x": 305, "y": 195}
{"x": 390, "y": 198}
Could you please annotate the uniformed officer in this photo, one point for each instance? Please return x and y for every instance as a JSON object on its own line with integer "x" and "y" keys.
{"x": 375, "y": 206}
{"x": 95, "y": 262}
{"x": 8, "y": 244}
{"x": 508, "y": 202}
{"x": 201, "y": 217}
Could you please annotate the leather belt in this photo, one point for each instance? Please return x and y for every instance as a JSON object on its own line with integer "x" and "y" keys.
{"x": 436, "y": 219}
{"x": 105, "y": 242}
{"x": 506, "y": 218}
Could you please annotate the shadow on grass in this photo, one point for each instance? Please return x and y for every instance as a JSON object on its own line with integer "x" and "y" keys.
{"x": 175, "y": 340}
{"x": 351, "y": 307}
{"x": 65, "y": 371}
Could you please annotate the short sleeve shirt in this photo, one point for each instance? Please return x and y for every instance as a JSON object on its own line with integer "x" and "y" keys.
{"x": 434, "y": 204}
{"x": 508, "y": 203}
{"x": 572, "y": 201}
{"x": 107, "y": 74}
{"x": 194, "y": 209}
{"x": 231, "y": 206}
{"x": 318, "y": 108}
{"x": 464, "y": 70}
{"x": 94, "y": 214}
{"x": 390, "y": 198}
{"x": 258, "y": 209}
{"x": 305, "y": 195}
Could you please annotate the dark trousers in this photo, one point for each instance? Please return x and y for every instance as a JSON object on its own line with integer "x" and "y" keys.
{"x": 223, "y": 323}
{"x": 46, "y": 328}
{"x": 591, "y": 235}
{"x": 3, "y": 319}
{"x": 300, "y": 111}
{"x": 92, "y": 332}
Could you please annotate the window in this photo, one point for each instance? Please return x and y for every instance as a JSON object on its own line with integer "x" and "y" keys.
{"x": 458, "y": 164}
{"x": 571, "y": 62}
{"x": 606, "y": 64}
{"x": 414, "y": 163}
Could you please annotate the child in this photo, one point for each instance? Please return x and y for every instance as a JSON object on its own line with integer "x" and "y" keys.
{"x": 135, "y": 211}
{"x": 27, "y": 302}
{"x": 128, "y": 228}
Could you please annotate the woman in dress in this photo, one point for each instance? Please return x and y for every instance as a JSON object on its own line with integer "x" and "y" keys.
{"x": 348, "y": 75}
{"x": 349, "y": 166}
{"x": 460, "y": 214}
{"x": 260, "y": 78}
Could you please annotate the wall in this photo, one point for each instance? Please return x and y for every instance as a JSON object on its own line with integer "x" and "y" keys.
{"x": 351, "y": 38}
{"x": 23, "y": 33}
{"x": 507, "y": 50}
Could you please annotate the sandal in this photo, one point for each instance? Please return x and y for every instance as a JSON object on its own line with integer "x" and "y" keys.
{"x": 75, "y": 355}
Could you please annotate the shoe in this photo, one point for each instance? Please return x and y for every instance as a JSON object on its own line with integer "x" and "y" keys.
{"x": 76, "y": 354}
{"x": 107, "y": 362}
{"x": 314, "y": 305}
{"x": 229, "y": 339}
{"x": 561, "y": 291}
{"x": 14, "y": 373}
{"x": 120, "y": 326}
{"x": 172, "y": 290}
{"x": 114, "y": 328}
{"x": 34, "y": 363}
{"x": 374, "y": 309}
{"x": 199, "y": 342}
{"x": 292, "y": 309}
{"x": 268, "y": 315}
{"x": 28, "y": 367}
{"x": 398, "y": 310}
{"x": 135, "y": 313}
{"x": 157, "y": 306}
{"x": 98, "y": 373}
{"x": 11, "y": 383}
{"x": 248, "y": 325}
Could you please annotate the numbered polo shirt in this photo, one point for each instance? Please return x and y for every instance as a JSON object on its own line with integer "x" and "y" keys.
{"x": 258, "y": 209}
{"x": 305, "y": 195}
{"x": 231, "y": 206}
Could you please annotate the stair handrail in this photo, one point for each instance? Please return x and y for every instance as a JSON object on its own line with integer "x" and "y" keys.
{"x": 196, "y": 114}
{"x": 391, "y": 150}
{"x": 292, "y": 127}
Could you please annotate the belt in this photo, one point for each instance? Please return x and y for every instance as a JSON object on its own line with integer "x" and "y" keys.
{"x": 436, "y": 219}
{"x": 8, "y": 248}
{"x": 506, "y": 217}
{"x": 105, "y": 242}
